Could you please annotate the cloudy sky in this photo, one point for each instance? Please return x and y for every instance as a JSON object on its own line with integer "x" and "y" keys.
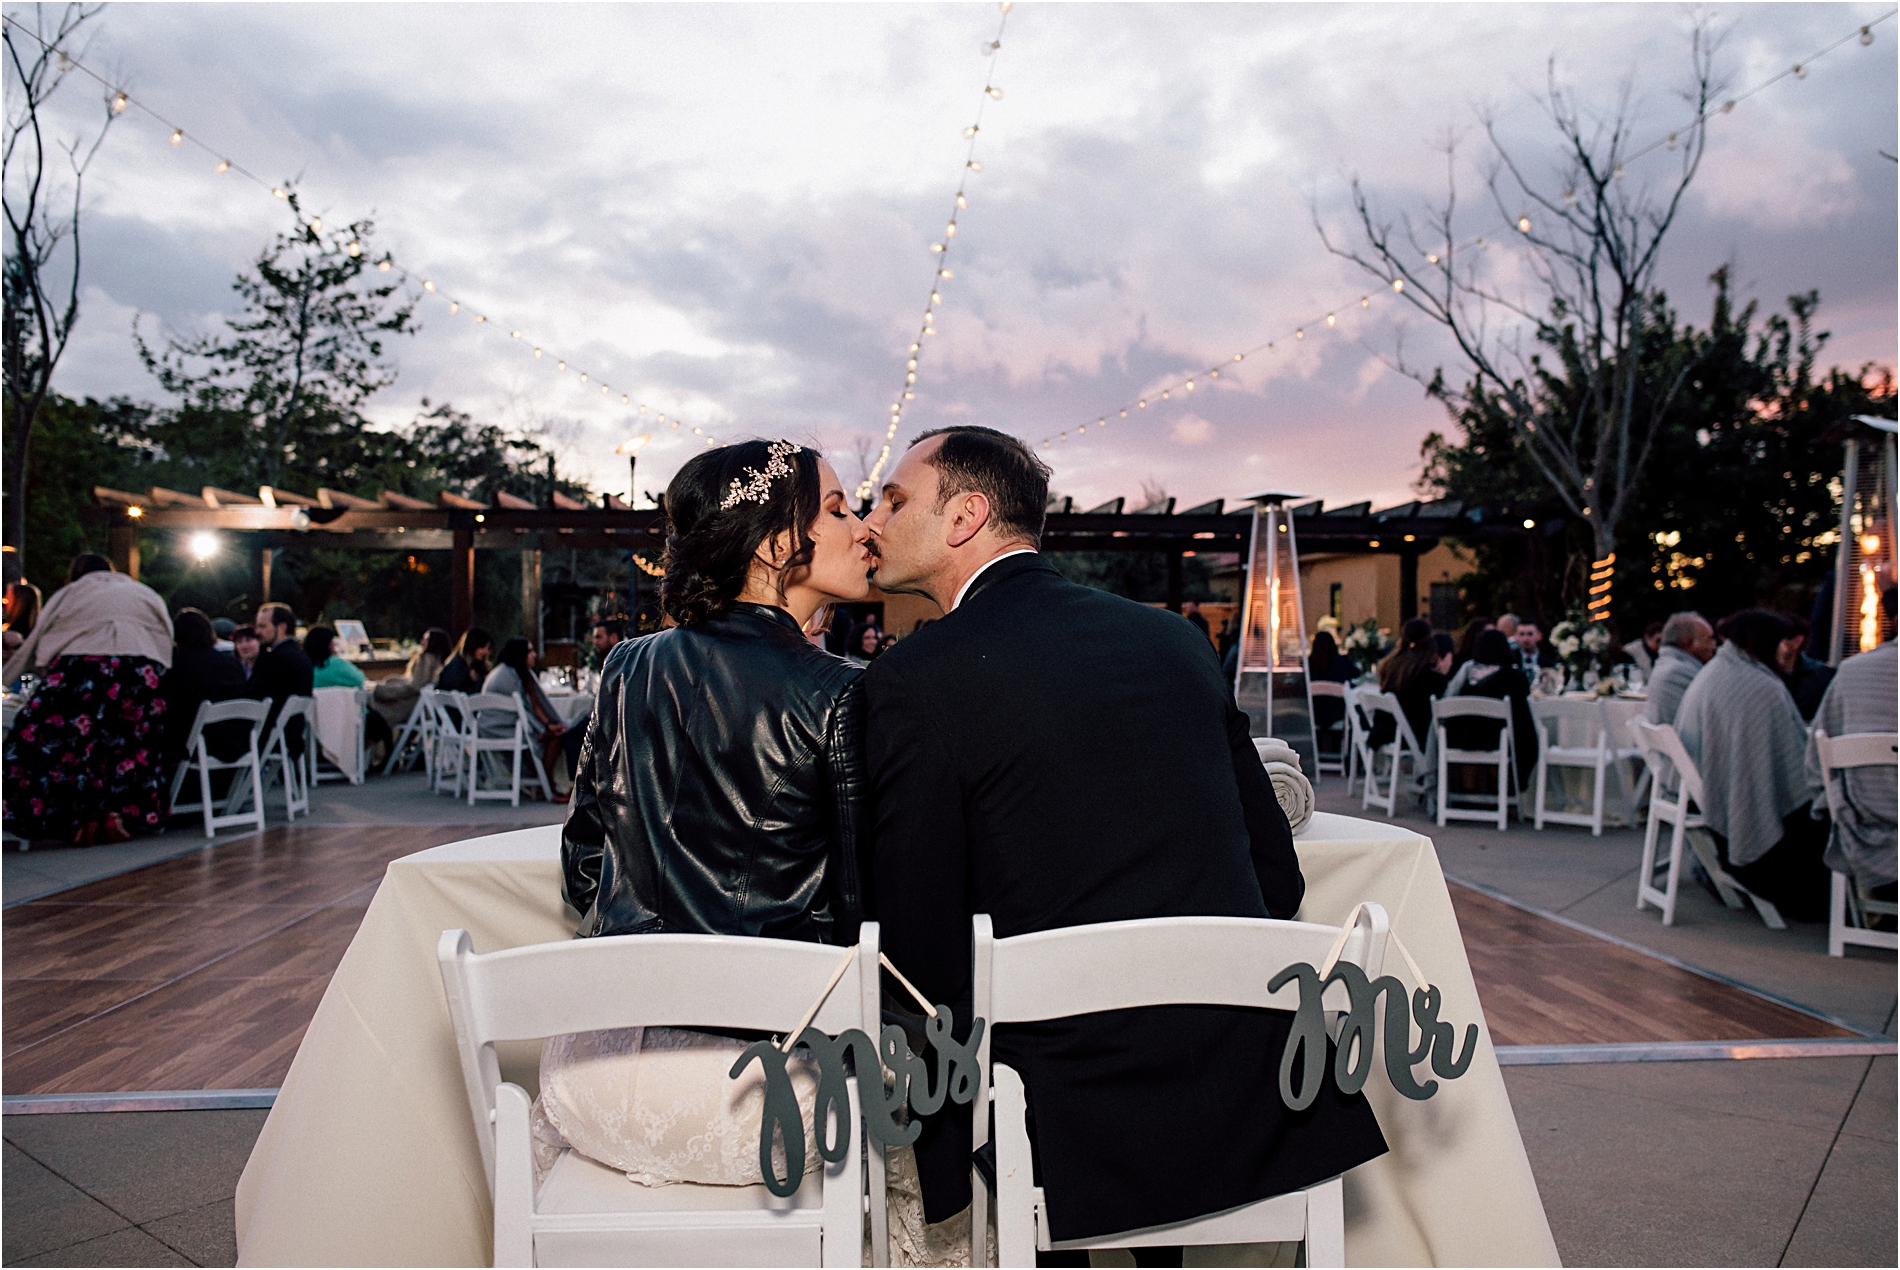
{"x": 726, "y": 210}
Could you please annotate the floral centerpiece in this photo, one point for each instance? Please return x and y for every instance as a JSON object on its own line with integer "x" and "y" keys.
{"x": 1366, "y": 643}
{"x": 1581, "y": 644}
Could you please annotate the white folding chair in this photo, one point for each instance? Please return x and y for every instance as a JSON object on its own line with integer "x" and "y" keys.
{"x": 1358, "y": 754}
{"x": 586, "y": 1214}
{"x": 1445, "y": 708}
{"x": 1056, "y": 974}
{"x": 1403, "y": 748}
{"x": 298, "y": 775}
{"x": 345, "y": 715}
{"x": 1336, "y": 762}
{"x": 416, "y": 737}
{"x": 514, "y": 743}
{"x": 454, "y": 723}
{"x": 1847, "y": 909}
{"x": 1664, "y": 752}
{"x": 1558, "y": 721}
{"x": 247, "y": 781}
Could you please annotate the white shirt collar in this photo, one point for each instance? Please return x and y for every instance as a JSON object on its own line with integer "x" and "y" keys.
{"x": 971, "y": 581}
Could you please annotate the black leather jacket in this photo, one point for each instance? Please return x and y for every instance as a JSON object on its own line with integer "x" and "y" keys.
{"x": 721, "y": 787}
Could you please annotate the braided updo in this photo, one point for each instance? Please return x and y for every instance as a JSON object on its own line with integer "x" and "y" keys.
{"x": 709, "y": 552}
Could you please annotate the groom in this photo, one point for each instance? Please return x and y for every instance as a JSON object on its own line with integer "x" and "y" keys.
{"x": 1057, "y": 756}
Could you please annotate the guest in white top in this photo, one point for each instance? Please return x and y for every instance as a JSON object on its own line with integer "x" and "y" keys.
{"x": 1644, "y": 651}
{"x": 1739, "y": 723}
{"x": 1688, "y": 641}
{"x": 1861, "y": 699}
{"x": 514, "y": 675}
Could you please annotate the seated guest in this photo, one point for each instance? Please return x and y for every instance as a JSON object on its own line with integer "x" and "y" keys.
{"x": 1326, "y": 664}
{"x": 865, "y": 643}
{"x": 1019, "y": 771}
{"x": 245, "y": 648}
{"x": 1411, "y": 673}
{"x": 1739, "y": 724}
{"x": 1807, "y": 677}
{"x": 200, "y": 673}
{"x": 395, "y": 697}
{"x": 514, "y": 675}
{"x": 283, "y": 670}
{"x": 329, "y": 669}
{"x": 1643, "y": 652}
{"x": 223, "y": 628}
{"x": 1860, "y": 699}
{"x": 1532, "y": 652}
{"x": 1688, "y": 641}
{"x": 468, "y": 663}
{"x": 677, "y": 830}
{"x": 22, "y": 610}
{"x": 1494, "y": 672}
{"x": 607, "y": 632}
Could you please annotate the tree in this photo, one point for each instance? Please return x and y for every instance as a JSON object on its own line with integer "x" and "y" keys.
{"x": 289, "y": 376}
{"x": 41, "y": 286}
{"x": 1594, "y": 242}
{"x": 1756, "y": 525}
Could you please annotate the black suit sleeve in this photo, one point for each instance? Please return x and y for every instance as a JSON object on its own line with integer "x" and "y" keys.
{"x": 920, "y": 868}
{"x": 1275, "y": 863}
{"x": 850, "y": 844}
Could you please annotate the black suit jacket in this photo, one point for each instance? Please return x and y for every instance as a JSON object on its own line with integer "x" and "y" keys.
{"x": 198, "y": 675}
{"x": 282, "y": 672}
{"x": 1056, "y": 756}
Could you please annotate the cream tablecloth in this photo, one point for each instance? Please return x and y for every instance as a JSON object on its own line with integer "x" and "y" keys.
{"x": 1569, "y": 789}
{"x": 369, "y": 1158}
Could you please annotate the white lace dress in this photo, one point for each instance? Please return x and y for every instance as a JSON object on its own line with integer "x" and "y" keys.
{"x": 658, "y": 1105}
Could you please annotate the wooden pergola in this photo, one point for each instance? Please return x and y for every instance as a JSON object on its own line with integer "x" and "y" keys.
{"x": 462, "y": 526}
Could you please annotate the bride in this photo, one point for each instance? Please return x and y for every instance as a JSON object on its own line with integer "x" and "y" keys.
{"x": 720, "y": 790}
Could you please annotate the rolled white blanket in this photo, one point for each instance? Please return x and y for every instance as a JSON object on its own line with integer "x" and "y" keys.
{"x": 1290, "y": 785}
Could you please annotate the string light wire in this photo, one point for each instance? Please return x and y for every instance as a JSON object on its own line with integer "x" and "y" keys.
{"x": 1523, "y": 225}
{"x": 940, "y": 272}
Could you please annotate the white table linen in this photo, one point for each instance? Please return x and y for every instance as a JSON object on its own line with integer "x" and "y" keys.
{"x": 340, "y": 721}
{"x": 369, "y": 1156}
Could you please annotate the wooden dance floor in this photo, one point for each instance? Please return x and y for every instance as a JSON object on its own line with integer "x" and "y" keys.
{"x": 202, "y": 972}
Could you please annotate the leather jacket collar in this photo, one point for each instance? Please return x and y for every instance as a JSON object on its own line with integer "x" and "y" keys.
{"x": 767, "y": 612}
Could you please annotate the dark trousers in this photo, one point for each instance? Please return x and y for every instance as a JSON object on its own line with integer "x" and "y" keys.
{"x": 1080, "y": 1257}
{"x": 1791, "y": 875}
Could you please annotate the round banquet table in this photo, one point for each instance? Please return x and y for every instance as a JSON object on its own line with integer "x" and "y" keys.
{"x": 369, "y": 1157}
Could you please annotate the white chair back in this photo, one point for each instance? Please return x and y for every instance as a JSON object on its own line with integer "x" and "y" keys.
{"x": 479, "y": 709}
{"x": 1662, "y": 741}
{"x": 247, "y": 785}
{"x": 1402, "y": 748}
{"x": 298, "y": 774}
{"x": 1123, "y": 965}
{"x": 1847, "y": 909}
{"x": 1335, "y": 762}
{"x": 1500, "y": 756}
{"x": 583, "y": 985}
{"x": 454, "y": 726}
{"x": 1572, "y": 734}
{"x": 416, "y": 737}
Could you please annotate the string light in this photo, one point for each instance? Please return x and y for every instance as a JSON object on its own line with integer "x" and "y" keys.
{"x": 940, "y": 268}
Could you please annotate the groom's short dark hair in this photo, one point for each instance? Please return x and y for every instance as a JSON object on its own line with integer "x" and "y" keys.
{"x": 997, "y": 466}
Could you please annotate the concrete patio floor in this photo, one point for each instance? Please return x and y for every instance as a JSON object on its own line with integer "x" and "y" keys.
{"x": 1758, "y": 1162}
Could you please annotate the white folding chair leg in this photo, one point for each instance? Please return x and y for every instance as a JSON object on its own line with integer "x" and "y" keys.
{"x": 204, "y": 792}
{"x": 1326, "y": 1224}
{"x": 844, "y": 1204}
{"x": 1837, "y": 916}
{"x": 1016, "y": 1234}
{"x": 514, "y": 1177}
{"x": 1543, "y": 777}
{"x": 1596, "y": 806}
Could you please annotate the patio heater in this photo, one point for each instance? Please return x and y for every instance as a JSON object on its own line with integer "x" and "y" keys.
{"x": 1864, "y": 559}
{"x": 1271, "y": 684}
{"x": 631, "y": 447}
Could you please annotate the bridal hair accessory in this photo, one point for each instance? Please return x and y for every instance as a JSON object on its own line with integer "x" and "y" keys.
{"x": 756, "y": 486}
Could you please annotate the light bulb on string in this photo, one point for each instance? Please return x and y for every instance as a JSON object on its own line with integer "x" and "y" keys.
{"x": 930, "y": 330}
{"x": 1164, "y": 394}
{"x": 1213, "y": 373}
{"x": 1670, "y": 144}
{"x": 178, "y": 136}
{"x": 1331, "y": 320}
{"x": 514, "y": 335}
{"x": 1570, "y": 198}
{"x": 1142, "y": 404}
{"x": 1365, "y": 301}
{"x": 316, "y": 224}
{"x": 1800, "y": 71}
{"x": 974, "y": 166}
{"x": 537, "y": 355}
{"x": 1523, "y": 224}
{"x": 455, "y": 306}
{"x": 560, "y": 366}
{"x": 1102, "y": 422}
{"x": 1398, "y": 285}
{"x": 224, "y": 165}
{"x": 1190, "y": 385}
{"x": 623, "y": 398}
{"x": 1432, "y": 259}
{"x": 480, "y": 318}
{"x": 119, "y": 102}
{"x": 1618, "y": 173}
{"x": 583, "y": 373}
{"x": 382, "y": 266}
{"x": 603, "y": 390}
{"x": 1866, "y": 36}
{"x": 909, "y": 395}
{"x": 911, "y": 364}
{"x": 962, "y": 202}
{"x": 969, "y": 132}
{"x": 935, "y": 298}
{"x": 996, "y": 94}
{"x": 1124, "y": 414}
{"x": 911, "y": 378}
{"x": 66, "y": 63}
{"x": 936, "y": 246}
{"x": 950, "y": 230}
{"x": 280, "y": 192}
{"x": 1238, "y": 356}
{"x": 945, "y": 273}
{"x": 1300, "y": 334}
{"x": 428, "y": 285}
{"x": 355, "y": 248}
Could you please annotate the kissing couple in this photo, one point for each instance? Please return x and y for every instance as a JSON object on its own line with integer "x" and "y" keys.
{"x": 1046, "y": 753}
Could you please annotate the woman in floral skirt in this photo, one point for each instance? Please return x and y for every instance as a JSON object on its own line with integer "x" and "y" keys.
{"x": 84, "y": 762}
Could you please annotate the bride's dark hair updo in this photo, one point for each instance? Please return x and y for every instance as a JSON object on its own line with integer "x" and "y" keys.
{"x": 708, "y": 550}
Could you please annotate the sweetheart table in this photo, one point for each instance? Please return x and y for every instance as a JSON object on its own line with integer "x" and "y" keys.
{"x": 369, "y": 1158}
